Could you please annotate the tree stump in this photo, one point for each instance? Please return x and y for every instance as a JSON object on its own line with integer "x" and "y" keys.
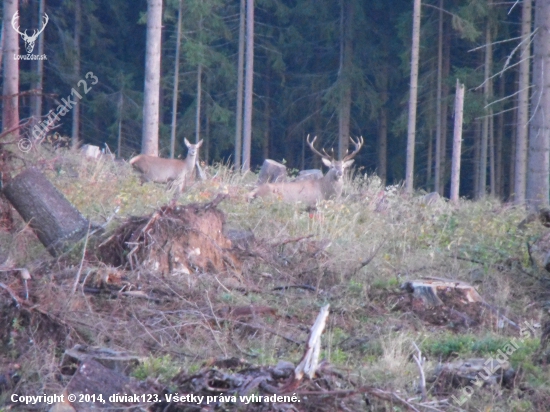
{"x": 56, "y": 222}
{"x": 311, "y": 174}
{"x": 271, "y": 172}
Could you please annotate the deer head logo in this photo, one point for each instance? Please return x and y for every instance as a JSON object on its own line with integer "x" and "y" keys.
{"x": 29, "y": 40}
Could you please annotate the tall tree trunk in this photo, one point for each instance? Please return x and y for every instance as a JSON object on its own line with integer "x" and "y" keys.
{"x": 240, "y": 82}
{"x": 409, "y": 185}
{"x": 248, "y": 85}
{"x": 10, "y": 107}
{"x": 383, "y": 132}
{"x": 445, "y": 91}
{"x": 431, "y": 125}
{"x": 438, "y": 111}
{"x": 477, "y": 151}
{"x": 207, "y": 128}
{"x": 523, "y": 105}
{"x": 38, "y": 65}
{"x": 492, "y": 153}
{"x": 2, "y": 43}
{"x": 267, "y": 116}
{"x": 176, "y": 84}
{"x": 429, "y": 159}
{"x": 457, "y": 142}
{"x": 151, "y": 98}
{"x": 484, "y": 144}
{"x": 75, "y": 132}
{"x": 120, "y": 111}
{"x": 346, "y": 54}
{"x": 199, "y": 104}
{"x": 539, "y": 127}
{"x": 499, "y": 137}
{"x": 513, "y": 145}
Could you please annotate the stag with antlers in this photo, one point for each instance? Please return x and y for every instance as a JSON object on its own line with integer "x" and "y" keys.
{"x": 311, "y": 191}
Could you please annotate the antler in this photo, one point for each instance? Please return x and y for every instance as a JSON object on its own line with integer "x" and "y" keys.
{"x": 26, "y": 37}
{"x": 324, "y": 156}
{"x": 358, "y": 144}
{"x": 45, "y": 20}
{"x": 14, "y": 20}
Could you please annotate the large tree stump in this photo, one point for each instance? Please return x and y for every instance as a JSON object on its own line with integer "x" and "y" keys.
{"x": 271, "y": 172}
{"x": 310, "y": 174}
{"x": 56, "y": 222}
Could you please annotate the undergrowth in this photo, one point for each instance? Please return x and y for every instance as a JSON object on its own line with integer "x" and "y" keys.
{"x": 373, "y": 239}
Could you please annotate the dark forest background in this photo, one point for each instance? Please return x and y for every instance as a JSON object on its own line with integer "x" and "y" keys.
{"x": 297, "y": 87}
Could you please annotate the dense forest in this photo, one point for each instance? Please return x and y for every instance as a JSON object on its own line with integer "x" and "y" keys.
{"x": 325, "y": 68}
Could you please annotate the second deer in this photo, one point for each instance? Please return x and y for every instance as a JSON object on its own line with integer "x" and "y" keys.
{"x": 159, "y": 170}
{"x": 310, "y": 192}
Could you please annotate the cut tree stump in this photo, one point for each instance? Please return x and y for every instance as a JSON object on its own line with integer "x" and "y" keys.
{"x": 451, "y": 302}
{"x": 272, "y": 172}
{"x": 56, "y": 222}
{"x": 310, "y": 174}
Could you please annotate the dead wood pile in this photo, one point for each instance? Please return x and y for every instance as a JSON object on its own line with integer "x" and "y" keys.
{"x": 175, "y": 239}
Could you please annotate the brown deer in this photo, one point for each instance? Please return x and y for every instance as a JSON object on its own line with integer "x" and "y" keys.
{"x": 159, "y": 170}
{"x": 311, "y": 191}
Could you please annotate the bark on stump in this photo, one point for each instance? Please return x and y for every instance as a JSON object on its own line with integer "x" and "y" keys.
{"x": 271, "y": 172}
{"x": 56, "y": 222}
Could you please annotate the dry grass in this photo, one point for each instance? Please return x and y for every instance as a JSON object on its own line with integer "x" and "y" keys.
{"x": 402, "y": 238}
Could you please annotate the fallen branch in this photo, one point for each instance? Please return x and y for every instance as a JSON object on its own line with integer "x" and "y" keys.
{"x": 310, "y": 360}
{"x": 306, "y": 287}
{"x": 371, "y": 257}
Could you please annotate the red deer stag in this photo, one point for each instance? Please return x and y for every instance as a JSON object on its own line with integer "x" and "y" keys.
{"x": 311, "y": 191}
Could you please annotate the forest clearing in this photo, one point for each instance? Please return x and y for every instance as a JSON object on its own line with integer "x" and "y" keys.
{"x": 207, "y": 294}
{"x": 361, "y": 221}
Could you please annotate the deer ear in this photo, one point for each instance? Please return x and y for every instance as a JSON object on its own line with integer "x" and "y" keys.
{"x": 348, "y": 163}
{"x": 199, "y": 144}
{"x": 186, "y": 142}
{"x": 326, "y": 162}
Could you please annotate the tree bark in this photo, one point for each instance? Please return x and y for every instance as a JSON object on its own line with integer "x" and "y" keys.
{"x": 445, "y": 91}
{"x": 438, "y": 109}
{"x": 176, "y": 84}
{"x": 151, "y": 98}
{"x": 75, "y": 132}
{"x": 409, "y": 183}
{"x": 248, "y": 85}
{"x": 120, "y": 111}
{"x": 477, "y": 145}
{"x": 457, "y": 141}
{"x": 267, "y": 115}
{"x": 346, "y": 54}
{"x": 199, "y": 104}
{"x": 499, "y": 137}
{"x": 484, "y": 144}
{"x": 383, "y": 135}
{"x": 53, "y": 218}
{"x": 539, "y": 127}
{"x": 38, "y": 69}
{"x": 240, "y": 81}
{"x": 523, "y": 106}
{"x": 492, "y": 177}
{"x": 10, "y": 109}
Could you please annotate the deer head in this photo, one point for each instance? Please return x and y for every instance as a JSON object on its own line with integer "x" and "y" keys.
{"x": 336, "y": 167}
{"x": 192, "y": 150}
{"x": 29, "y": 40}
